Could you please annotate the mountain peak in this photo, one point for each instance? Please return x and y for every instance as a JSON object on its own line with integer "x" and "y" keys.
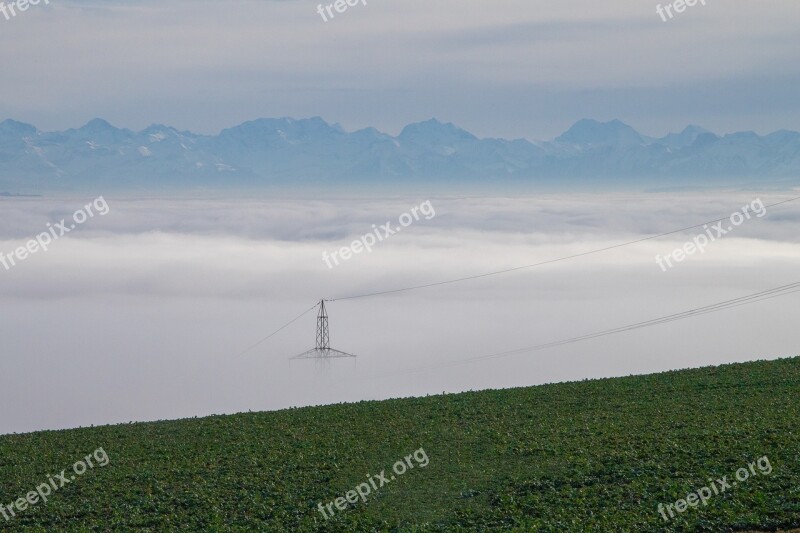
{"x": 685, "y": 138}
{"x": 592, "y": 132}
{"x": 435, "y": 132}
{"x": 692, "y": 128}
{"x": 266, "y": 132}
{"x": 97, "y": 124}
{"x": 156, "y": 128}
{"x": 15, "y": 128}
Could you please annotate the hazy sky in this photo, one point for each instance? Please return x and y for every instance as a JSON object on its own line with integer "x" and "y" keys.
{"x": 510, "y": 68}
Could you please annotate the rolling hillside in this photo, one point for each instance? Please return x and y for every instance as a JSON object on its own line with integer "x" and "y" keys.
{"x": 589, "y": 456}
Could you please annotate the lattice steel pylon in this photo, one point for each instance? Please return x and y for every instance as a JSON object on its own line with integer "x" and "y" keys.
{"x": 323, "y": 348}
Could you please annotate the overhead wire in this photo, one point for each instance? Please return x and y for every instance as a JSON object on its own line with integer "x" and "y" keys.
{"x": 719, "y": 306}
{"x": 533, "y": 265}
{"x": 541, "y": 263}
{"x": 292, "y": 321}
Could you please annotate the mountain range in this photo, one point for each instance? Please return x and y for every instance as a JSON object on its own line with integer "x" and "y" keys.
{"x": 287, "y": 151}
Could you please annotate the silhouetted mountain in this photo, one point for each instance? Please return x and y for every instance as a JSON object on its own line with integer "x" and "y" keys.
{"x": 590, "y": 133}
{"x": 289, "y": 152}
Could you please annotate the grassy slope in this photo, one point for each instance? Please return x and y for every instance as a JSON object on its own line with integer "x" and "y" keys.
{"x": 594, "y": 455}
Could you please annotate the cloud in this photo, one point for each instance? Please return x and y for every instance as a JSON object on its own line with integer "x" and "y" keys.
{"x": 147, "y": 308}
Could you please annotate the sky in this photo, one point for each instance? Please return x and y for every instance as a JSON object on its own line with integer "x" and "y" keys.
{"x": 505, "y": 68}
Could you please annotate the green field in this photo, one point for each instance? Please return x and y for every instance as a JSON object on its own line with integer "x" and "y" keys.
{"x": 589, "y": 456}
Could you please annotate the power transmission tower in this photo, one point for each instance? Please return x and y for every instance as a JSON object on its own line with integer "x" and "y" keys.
{"x": 323, "y": 348}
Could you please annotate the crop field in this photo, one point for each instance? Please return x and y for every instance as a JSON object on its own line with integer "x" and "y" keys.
{"x": 596, "y": 455}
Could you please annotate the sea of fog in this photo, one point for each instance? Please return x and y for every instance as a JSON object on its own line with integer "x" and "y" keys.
{"x": 143, "y": 313}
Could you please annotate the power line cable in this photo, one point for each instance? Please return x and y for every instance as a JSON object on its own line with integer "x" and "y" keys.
{"x": 720, "y": 306}
{"x": 295, "y": 319}
{"x": 550, "y": 261}
{"x": 498, "y": 272}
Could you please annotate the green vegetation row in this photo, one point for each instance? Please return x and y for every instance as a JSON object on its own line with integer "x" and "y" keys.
{"x": 595, "y": 455}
